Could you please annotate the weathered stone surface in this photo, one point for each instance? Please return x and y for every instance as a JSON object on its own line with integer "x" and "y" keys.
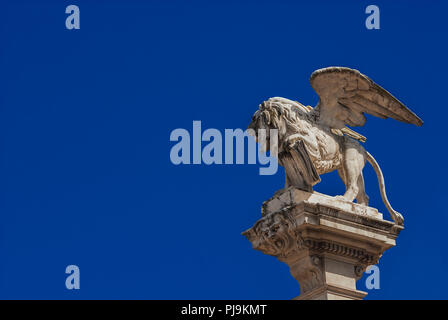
{"x": 293, "y": 195}
{"x": 326, "y": 242}
{"x": 312, "y": 141}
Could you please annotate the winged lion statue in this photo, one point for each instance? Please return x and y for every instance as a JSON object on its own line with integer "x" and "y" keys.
{"x": 314, "y": 141}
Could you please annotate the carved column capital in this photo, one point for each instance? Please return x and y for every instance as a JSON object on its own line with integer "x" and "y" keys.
{"x": 327, "y": 247}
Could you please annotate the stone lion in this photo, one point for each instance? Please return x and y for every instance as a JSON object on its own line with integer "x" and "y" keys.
{"x": 314, "y": 141}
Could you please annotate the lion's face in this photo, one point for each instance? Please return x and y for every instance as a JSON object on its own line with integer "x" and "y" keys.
{"x": 259, "y": 124}
{"x": 267, "y": 117}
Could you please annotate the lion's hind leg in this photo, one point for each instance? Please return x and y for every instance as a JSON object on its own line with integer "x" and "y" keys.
{"x": 362, "y": 197}
{"x": 352, "y": 165}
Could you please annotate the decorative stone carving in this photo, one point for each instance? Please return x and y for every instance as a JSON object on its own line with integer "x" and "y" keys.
{"x": 314, "y": 141}
{"x": 327, "y": 242}
{"x": 309, "y": 272}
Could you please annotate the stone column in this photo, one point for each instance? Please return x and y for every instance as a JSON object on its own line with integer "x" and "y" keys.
{"x": 326, "y": 241}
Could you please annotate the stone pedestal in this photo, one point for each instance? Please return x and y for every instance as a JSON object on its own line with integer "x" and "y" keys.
{"x": 326, "y": 241}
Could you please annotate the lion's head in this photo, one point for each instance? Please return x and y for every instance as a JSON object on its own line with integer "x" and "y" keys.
{"x": 287, "y": 116}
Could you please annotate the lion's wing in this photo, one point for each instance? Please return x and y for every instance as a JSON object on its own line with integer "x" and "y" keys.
{"x": 347, "y": 94}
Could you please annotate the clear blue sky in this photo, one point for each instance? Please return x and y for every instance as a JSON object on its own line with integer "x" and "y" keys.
{"x": 86, "y": 115}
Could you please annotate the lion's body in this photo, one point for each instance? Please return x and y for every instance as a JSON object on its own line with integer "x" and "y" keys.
{"x": 327, "y": 150}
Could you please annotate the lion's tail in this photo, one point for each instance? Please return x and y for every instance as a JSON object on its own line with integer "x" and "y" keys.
{"x": 398, "y": 218}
